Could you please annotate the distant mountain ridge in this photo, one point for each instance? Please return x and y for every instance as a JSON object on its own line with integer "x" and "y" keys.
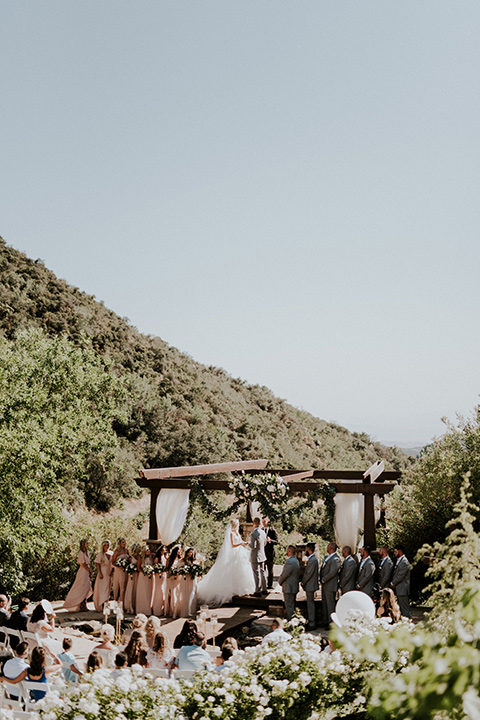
{"x": 180, "y": 412}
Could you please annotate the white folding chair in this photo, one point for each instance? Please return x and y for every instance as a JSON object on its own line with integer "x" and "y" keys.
{"x": 183, "y": 674}
{"x": 7, "y": 702}
{"x": 11, "y": 633}
{"x": 22, "y": 715}
{"x": 157, "y": 672}
{"x": 30, "y": 685}
{"x": 213, "y": 651}
{"x": 32, "y": 639}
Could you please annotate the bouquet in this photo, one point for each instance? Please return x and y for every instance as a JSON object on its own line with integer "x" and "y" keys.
{"x": 147, "y": 570}
{"x": 121, "y": 563}
{"x": 131, "y": 568}
{"x": 159, "y": 569}
{"x": 194, "y": 570}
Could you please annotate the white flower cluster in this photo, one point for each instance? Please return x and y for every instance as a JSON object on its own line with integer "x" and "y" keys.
{"x": 130, "y": 695}
{"x": 294, "y": 676}
{"x": 253, "y": 487}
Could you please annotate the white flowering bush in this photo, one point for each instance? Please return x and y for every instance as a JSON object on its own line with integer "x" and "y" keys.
{"x": 131, "y": 695}
{"x": 290, "y": 679}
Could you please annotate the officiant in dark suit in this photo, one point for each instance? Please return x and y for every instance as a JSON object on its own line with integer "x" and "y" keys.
{"x": 272, "y": 540}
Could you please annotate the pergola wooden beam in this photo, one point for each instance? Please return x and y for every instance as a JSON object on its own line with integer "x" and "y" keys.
{"x": 295, "y": 486}
{"x": 181, "y": 477}
{"x": 195, "y": 470}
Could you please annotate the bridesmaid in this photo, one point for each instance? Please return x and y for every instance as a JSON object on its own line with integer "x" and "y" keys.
{"x": 160, "y": 589}
{"x": 82, "y": 587}
{"x": 119, "y": 575}
{"x": 131, "y": 590}
{"x": 188, "y": 593}
{"x": 171, "y": 594}
{"x": 103, "y": 581}
{"x": 145, "y": 583}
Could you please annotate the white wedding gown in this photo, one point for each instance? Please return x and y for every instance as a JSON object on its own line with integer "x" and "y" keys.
{"x": 231, "y": 574}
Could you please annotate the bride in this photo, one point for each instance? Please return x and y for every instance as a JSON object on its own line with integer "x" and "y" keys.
{"x": 232, "y": 572}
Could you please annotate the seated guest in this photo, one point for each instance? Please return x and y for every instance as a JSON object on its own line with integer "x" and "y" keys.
{"x": 136, "y": 651}
{"x": 152, "y": 627}
{"x": 160, "y": 655}
{"x": 18, "y": 620}
{"x": 38, "y": 670}
{"x": 194, "y": 656}
{"x": 278, "y": 633}
{"x": 39, "y": 625}
{"x": 138, "y": 625}
{"x": 16, "y": 665}
{"x": 106, "y": 648}
{"x": 230, "y": 641}
{"x": 120, "y": 664}
{"x": 227, "y": 652}
{"x": 5, "y": 603}
{"x": 186, "y": 634}
{"x": 94, "y": 662}
{"x": 69, "y": 661}
{"x": 389, "y": 607}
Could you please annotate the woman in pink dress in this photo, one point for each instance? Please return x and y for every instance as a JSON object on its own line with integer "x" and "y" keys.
{"x": 160, "y": 588}
{"x": 145, "y": 582}
{"x": 131, "y": 589}
{"x": 120, "y": 577}
{"x": 171, "y": 593}
{"x": 103, "y": 581}
{"x": 82, "y": 587}
{"x": 188, "y": 591}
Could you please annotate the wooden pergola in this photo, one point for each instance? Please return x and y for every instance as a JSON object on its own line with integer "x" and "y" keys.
{"x": 375, "y": 481}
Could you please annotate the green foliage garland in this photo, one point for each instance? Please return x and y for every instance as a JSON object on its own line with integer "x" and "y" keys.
{"x": 272, "y": 494}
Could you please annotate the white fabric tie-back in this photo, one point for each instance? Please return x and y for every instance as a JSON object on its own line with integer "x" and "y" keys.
{"x": 349, "y": 512}
{"x": 171, "y": 511}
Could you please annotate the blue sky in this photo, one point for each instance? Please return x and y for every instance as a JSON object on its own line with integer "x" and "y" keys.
{"x": 286, "y": 190}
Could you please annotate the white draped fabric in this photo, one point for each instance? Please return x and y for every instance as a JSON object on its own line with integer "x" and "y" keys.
{"x": 349, "y": 510}
{"x": 349, "y": 518}
{"x": 171, "y": 511}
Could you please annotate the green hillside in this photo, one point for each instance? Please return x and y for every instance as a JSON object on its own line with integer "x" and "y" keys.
{"x": 86, "y": 400}
{"x": 179, "y": 411}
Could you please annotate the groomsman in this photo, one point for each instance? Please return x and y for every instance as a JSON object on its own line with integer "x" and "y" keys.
{"x": 329, "y": 581}
{"x": 401, "y": 580}
{"x": 310, "y": 583}
{"x": 258, "y": 540}
{"x": 348, "y": 571}
{"x": 385, "y": 570}
{"x": 272, "y": 540}
{"x": 366, "y": 572}
{"x": 289, "y": 580}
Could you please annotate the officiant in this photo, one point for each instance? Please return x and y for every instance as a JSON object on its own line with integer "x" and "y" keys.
{"x": 272, "y": 540}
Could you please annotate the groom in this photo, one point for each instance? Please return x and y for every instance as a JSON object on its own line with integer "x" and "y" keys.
{"x": 258, "y": 558}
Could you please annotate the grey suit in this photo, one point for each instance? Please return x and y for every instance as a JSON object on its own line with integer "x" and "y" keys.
{"x": 401, "y": 583}
{"x": 385, "y": 572}
{"x": 366, "y": 571}
{"x": 329, "y": 580}
{"x": 310, "y": 585}
{"x": 348, "y": 573}
{"x": 289, "y": 580}
{"x": 258, "y": 540}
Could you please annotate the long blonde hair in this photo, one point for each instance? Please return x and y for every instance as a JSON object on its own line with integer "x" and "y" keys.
{"x": 103, "y": 553}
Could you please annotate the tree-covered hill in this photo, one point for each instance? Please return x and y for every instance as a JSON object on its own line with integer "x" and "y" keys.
{"x": 86, "y": 400}
{"x": 179, "y": 411}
